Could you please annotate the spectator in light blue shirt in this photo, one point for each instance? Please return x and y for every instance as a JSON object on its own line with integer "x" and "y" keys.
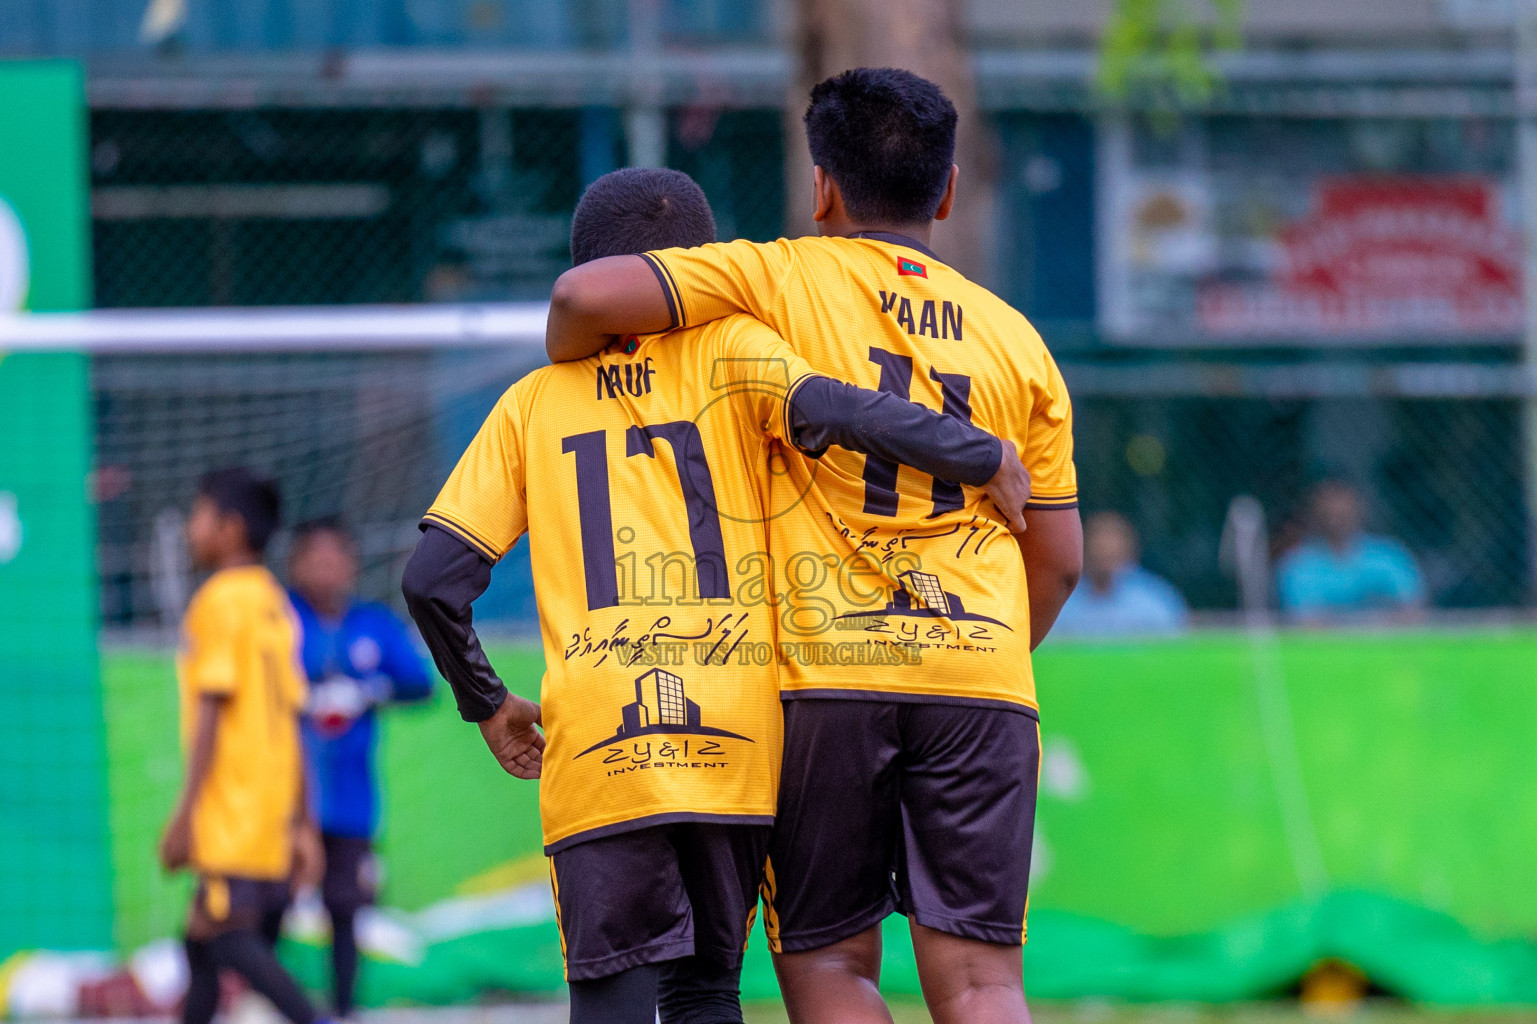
{"x": 1117, "y": 596}
{"x": 1342, "y": 572}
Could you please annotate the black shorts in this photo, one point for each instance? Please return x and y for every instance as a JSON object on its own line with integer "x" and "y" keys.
{"x": 927, "y": 809}
{"x": 352, "y": 873}
{"x": 657, "y": 894}
{"x": 232, "y": 901}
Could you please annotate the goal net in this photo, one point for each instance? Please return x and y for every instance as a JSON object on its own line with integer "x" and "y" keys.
{"x": 357, "y": 412}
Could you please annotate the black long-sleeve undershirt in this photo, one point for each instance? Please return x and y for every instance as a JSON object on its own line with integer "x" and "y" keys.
{"x": 443, "y": 578}
{"x": 825, "y": 412}
{"x": 445, "y": 575}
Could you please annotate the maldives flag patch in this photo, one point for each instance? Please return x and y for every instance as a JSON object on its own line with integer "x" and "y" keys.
{"x": 911, "y": 268}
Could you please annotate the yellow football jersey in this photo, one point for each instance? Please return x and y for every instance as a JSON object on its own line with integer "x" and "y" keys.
{"x": 240, "y": 640}
{"x": 643, "y": 480}
{"x": 879, "y": 556}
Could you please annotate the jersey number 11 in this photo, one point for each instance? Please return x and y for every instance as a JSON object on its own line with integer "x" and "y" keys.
{"x": 596, "y": 513}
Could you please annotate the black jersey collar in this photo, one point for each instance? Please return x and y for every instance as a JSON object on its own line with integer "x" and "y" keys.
{"x": 896, "y": 239}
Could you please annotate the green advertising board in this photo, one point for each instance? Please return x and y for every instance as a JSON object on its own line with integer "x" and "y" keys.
{"x": 1166, "y": 865}
{"x": 55, "y": 874}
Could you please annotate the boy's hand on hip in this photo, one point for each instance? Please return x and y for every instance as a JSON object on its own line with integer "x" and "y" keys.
{"x": 514, "y": 739}
{"x": 1010, "y": 487}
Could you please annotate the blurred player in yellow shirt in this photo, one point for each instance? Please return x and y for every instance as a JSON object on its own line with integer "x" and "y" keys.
{"x": 642, "y": 478}
{"x": 924, "y": 772}
{"x": 242, "y": 823}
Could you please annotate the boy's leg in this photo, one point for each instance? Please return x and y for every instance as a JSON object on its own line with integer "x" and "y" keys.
{"x": 970, "y": 980}
{"x": 835, "y": 983}
{"x": 202, "y": 999}
{"x": 834, "y": 844}
{"x": 344, "y": 958}
{"x": 969, "y": 779}
{"x": 206, "y": 917}
{"x": 226, "y": 922}
{"x": 270, "y": 925}
{"x": 245, "y": 952}
{"x": 722, "y": 868}
{"x": 348, "y": 886}
{"x": 628, "y": 997}
{"x": 622, "y": 909}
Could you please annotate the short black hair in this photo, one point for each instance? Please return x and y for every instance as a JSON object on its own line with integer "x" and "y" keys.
{"x": 887, "y": 138}
{"x": 637, "y": 209}
{"x": 311, "y": 528}
{"x": 240, "y": 492}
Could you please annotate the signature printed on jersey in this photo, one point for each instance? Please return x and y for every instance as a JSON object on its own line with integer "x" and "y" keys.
{"x": 660, "y": 643}
{"x": 886, "y": 543}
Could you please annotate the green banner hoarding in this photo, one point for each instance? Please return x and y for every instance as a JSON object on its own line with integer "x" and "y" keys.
{"x": 55, "y": 874}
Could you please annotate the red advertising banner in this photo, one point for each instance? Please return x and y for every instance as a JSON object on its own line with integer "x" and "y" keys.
{"x": 1377, "y": 256}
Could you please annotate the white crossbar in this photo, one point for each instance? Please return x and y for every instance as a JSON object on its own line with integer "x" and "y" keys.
{"x": 277, "y": 328}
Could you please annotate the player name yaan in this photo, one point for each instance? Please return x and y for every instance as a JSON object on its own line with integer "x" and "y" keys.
{"x": 935, "y": 319}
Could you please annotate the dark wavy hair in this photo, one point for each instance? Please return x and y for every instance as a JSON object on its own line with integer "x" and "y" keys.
{"x": 887, "y": 138}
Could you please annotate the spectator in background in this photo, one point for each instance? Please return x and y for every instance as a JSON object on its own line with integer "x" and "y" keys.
{"x": 1118, "y": 596}
{"x": 1340, "y": 571}
{"x": 357, "y": 656}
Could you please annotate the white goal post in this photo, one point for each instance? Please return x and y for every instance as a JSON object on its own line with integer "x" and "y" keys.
{"x": 278, "y": 329}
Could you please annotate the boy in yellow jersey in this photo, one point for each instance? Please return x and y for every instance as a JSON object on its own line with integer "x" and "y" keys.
{"x": 242, "y": 822}
{"x": 923, "y": 771}
{"x": 641, "y": 475}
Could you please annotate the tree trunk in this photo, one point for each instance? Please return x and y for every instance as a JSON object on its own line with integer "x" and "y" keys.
{"x": 922, "y": 36}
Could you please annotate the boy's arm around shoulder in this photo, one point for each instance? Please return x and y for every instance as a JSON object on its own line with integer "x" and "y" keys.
{"x": 814, "y": 412}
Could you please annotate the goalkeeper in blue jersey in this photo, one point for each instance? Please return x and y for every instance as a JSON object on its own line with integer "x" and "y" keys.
{"x": 357, "y": 656}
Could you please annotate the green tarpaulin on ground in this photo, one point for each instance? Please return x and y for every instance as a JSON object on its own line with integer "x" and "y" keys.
{"x": 1404, "y": 950}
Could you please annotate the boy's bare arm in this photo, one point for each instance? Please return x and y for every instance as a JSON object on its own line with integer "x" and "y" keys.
{"x": 1052, "y": 546}
{"x": 597, "y": 300}
{"x": 309, "y": 858}
{"x": 176, "y": 844}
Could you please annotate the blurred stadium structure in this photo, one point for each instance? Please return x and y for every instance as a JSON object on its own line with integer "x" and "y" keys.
{"x": 1218, "y": 282}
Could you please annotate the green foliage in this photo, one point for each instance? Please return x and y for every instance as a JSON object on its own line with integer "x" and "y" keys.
{"x": 1156, "y": 53}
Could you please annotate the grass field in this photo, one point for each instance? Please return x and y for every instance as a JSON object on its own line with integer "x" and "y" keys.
{"x": 1084, "y": 1012}
{"x": 1090, "y": 1012}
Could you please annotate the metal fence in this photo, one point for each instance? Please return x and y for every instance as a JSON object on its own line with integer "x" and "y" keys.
{"x": 265, "y": 207}
{"x": 285, "y": 206}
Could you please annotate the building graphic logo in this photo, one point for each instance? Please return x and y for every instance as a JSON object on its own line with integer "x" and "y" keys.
{"x": 660, "y": 706}
{"x": 923, "y": 596}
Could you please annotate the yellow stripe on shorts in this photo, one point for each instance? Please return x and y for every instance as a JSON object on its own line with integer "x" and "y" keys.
{"x": 770, "y": 917}
{"x": 559, "y": 928}
{"x": 216, "y": 898}
{"x": 1024, "y": 922}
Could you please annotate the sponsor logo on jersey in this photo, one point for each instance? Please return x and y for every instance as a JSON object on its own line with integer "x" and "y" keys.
{"x": 660, "y": 706}
{"x": 923, "y": 596}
